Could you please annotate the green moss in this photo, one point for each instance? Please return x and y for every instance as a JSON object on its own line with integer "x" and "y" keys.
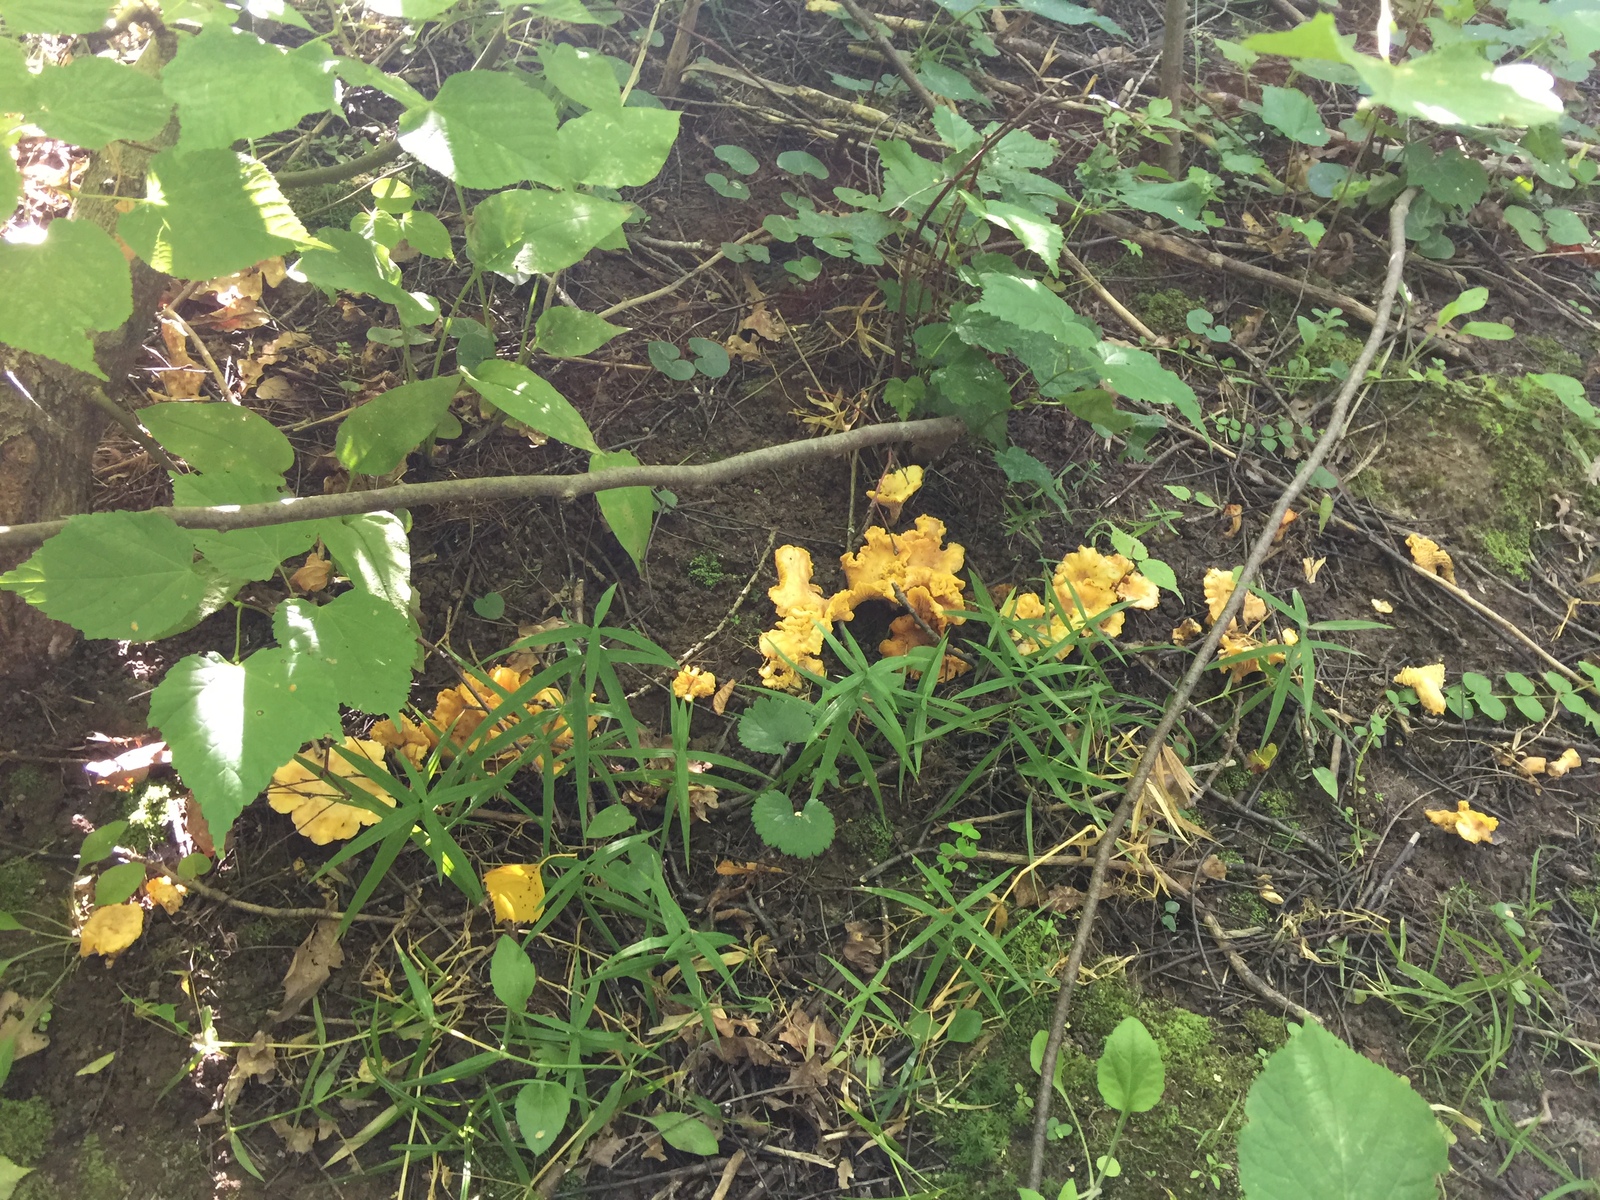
{"x": 98, "y": 1178}
{"x": 869, "y": 836}
{"x": 25, "y": 784}
{"x": 1266, "y": 1029}
{"x": 705, "y": 570}
{"x": 1553, "y": 356}
{"x": 1278, "y": 802}
{"x": 1166, "y": 311}
{"x": 25, "y": 1129}
{"x": 21, "y": 880}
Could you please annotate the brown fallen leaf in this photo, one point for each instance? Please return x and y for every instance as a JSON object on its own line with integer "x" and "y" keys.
{"x": 18, "y": 1016}
{"x": 701, "y": 801}
{"x": 764, "y": 323}
{"x": 861, "y": 950}
{"x": 314, "y": 960}
{"x": 806, "y": 1033}
{"x": 275, "y": 387}
{"x": 314, "y": 574}
{"x": 258, "y": 1060}
{"x": 743, "y": 349}
{"x": 719, "y": 702}
{"x": 297, "y": 1139}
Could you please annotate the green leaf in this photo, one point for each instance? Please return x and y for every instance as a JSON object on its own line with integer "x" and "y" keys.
{"x": 411, "y": 10}
{"x": 93, "y": 101}
{"x": 536, "y": 232}
{"x": 1527, "y": 225}
{"x": 1565, "y": 227}
{"x": 965, "y": 1027}
{"x": 1294, "y": 114}
{"x": 1326, "y": 1123}
{"x": 773, "y": 721}
{"x": 575, "y": 12}
{"x": 220, "y": 438}
{"x": 192, "y": 866}
{"x": 426, "y": 234}
{"x": 10, "y": 178}
{"x": 242, "y": 554}
{"x": 487, "y": 129}
{"x": 1130, "y": 1073}
{"x": 95, "y": 1067}
{"x": 1140, "y": 376}
{"x": 1530, "y": 708}
{"x": 738, "y": 159}
{"x": 1451, "y": 178}
{"x": 112, "y": 575}
{"x": 474, "y": 344}
{"x": 11, "y": 1174}
{"x": 1327, "y": 779}
{"x": 943, "y": 81}
{"x": 100, "y": 843}
{"x": 1571, "y": 393}
{"x": 1316, "y": 38}
{"x": 209, "y": 213}
{"x": 1037, "y": 233}
{"x": 351, "y": 263}
{"x": 117, "y": 883}
{"x": 1071, "y": 14}
{"x": 542, "y": 1108}
{"x": 629, "y": 511}
{"x": 377, "y": 437}
{"x": 365, "y": 641}
{"x": 373, "y": 550}
{"x": 54, "y": 16}
{"x": 229, "y": 85}
{"x": 512, "y": 975}
{"x": 683, "y": 1131}
{"x": 563, "y": 332}
{"x": 610, "y": 821}
{"x": 359, "y": 74}
{"x": 798, "y": 162}
{"x": 1457, "y": 85}
{"x": 491, "y": 606}
{"x": 56, "y": 294}
{"x": 1469, "y": 301}
{"x": 231, "y": 725}
{"x": 710, "y": 358}
{"x": 669, "y": 360}
{"x": 803, "y": 834}
{"x": 1489, "y": 331}
{"x": 525, "y": 397}
{"x": 581, "y": 74}
{"x": 624, "y": 147}
{"x": 732, "y": 189}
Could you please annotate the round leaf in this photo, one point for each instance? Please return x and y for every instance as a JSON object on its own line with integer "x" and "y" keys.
{"x": 666, "y": 358}
{"x": 512, "y": 975}
{"x": 624, "y": 147}
{"x": 610, "y": 821}
{"x": 965, "y": 1027}
{"x": 366, "y": 643}
{"x": 738, "y": 159}
{"x": 710, "y": 358}
{"x": 803, "y": 834}
{"x": 217, "y": 107}
{"x": 1130, "y": 1072}
{"x": 772, "y": 722}
{"x": 491, "y": 606}
{"x": 527, "y": 233}
{"x": 542, "y": 1108}
{"x": 798, "y": 162}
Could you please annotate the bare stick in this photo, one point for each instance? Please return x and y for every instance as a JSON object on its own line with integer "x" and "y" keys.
{"x": 1257, "y": 984}
{"x": 1110, "y": 301}
{"x": 678, "y": 55}
{"x": 881, "y": 39}
{"x": 522, "y": 487}
{"x": 1175, "y": 19}
{"x": 1191, "y": 680}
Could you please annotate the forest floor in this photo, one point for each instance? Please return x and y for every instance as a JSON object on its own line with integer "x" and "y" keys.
{"x": 1328, "y": 898}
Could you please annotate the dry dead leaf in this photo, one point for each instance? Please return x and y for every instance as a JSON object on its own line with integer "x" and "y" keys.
{"x": 805, "y": 1033}
{"x": 861, "y": 950}
{"x": 275, "y": 387}
{"x": 719, "y": 702}
{"x": 702, "y": 800}
{"x": 1469, "y": 825}
{"x": 258, "y": 1060}
{"x": 297, "y": 1139}
{"x": 1312, "y": 567}
{"x": 1214, "y": 868}
{"x": 182, "y": 377}
{"x": 765, "y": 323}
{"x": 313, "y": 575}
{"x": 18, "y": 1016}
{"x": 743, "y": 349}
{"x": 314, "y": 960}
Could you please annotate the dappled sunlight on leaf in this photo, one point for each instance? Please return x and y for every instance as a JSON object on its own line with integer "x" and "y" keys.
{"x": 517, "y": 890}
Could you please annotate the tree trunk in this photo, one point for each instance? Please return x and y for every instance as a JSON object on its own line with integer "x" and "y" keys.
{"x": 52, "y": 416}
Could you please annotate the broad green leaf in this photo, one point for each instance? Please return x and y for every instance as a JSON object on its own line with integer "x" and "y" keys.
{"x": 426, "y": 234}
{"x": 242, "y": 554}
{"x": 487, "y": 129}
{"x": 610, "y": 821}
{"x": 581, "y": 74}
{"x": 542, "y": 1108}
{"x": 669, "y": 360}
{"x": 209, "y": 213}
{"x": 738, "y": 159}
{"x": 1140, "y": 376}
{"x": 1490, "y": 331}
{"x": 411, "y": 10}
{"x": 10, "y": 179}
{"x": 1316, "y": 38}
{"x": 54, "y": 16}
{"x": 1469, "y": 301}
{"x": 491, "y": 606}
{"x": 360, "y": 74}
{"x": 366, "y": 642}
{"x": 276, "y": 10}
{"x": 803, "y": 834}
{"x": 799, "y": 162}
{"x": 116, "y": 884}
{"x": 54, "y": 295}
{"x": 92, "y": 101}
{"x": 563, "y": 332}
{"x": 1028, "y": 304}
{"x": 231, "y": 725}
{"x": 377, "y": 437}
{"x": 1574, "y": 395}
{"x": 11, "y": 1174}
{"x": 1528, "y": 225}
{"x": 623, "y": 147}
{"x": 710, "y": 358}
{"x": 100, "y": 843}
{"x": 351, "y": 263}
{"x": 16, "y": 81}
{"x": 974, "y": 390}
{"x": 774, "y": 721}
{"x": 965, "y": 1027}
{"x": 1451, "y": 178}
{"x": 1071, "y": 14}
{"x": 511, "y": 974}
{"x": 686, "y": 1132}
{"x": 221, "y": 438}
{"x": 946, "y": 81}
{"x": 1456, "y": 85}
{"x": 373, "y": 550}
{"x": 1036, "y": 232}
{"x": 629, "y": 511}
{"x": 1326, "y": 1123}
{"x": 1294, "y": 114}
{"x": 229, "y": 84}
{"x": 525, "y": 397}
{"x": 575, "y": 12}
{"x": 536, "y": 232}
{"x": 1565, "y": 227}
{"x": 1130, "y": 1073}
{"x": 112, "y": 575}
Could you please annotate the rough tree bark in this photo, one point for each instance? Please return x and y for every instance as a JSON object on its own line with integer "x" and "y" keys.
{"x": 52, "y": 416}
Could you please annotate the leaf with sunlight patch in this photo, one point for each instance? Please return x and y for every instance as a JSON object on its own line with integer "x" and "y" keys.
{"x": 56, "y": 294}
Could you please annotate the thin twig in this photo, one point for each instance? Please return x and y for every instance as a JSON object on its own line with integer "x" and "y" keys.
{"x": 1257, "y": 984}
{"x": 1191, "y": 680}
{"x": 880, "y": 38}
{"x": 522, "y": 487}
{"x": 1110, "y": 301}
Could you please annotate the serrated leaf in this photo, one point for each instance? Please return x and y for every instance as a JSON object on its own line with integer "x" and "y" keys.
{"x": 373, "y": 550}
{"x": 349, "y": 262}
{"x": 686, "y": 1132}
{"x": 209, "y": 213}
{"x": 242, "y": 554}
{"x": 54, "y": 16}
{"x": 563, "y": 332}
{"x": 377, "y": 437}
{"x": 803, "y": 834}
{"x": 1294, "y": 114}
{"x": 93, "y": 101}
{"x": 772, "y": 722}
{"x": 536, "y": 232}
{"x": 365, "y": 641}
{"x": 56, "y": 294}
{"x": 512, "y": 974}
{"x": 117, "y": 883}
{"x": 624, "y": 147}
{"x": 525, "y": 397}
{"x": 1326, "y": 1123}
{"x": 231, "y": 725}
{"x": 629, "y": 511}
{"x": 1130, "y": 1073}
{"x": 581, "y": 74}
{"x": 216, "y": 437}
{"x": 487, "y": 129}
{"x": 206, "y": 79}
{"x": 542, "y": 1108}
{"x": 125, "y": 575}
{"x": 100, "y": 843}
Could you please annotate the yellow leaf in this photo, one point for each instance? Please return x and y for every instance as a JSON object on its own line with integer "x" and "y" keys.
{"x": 692, "y": 683}
{"x": 1382, "y": 606}
{"x": 1429, "y": 684}
{"x": 517, "y": 890}
{"x": 1469, "y": 825}
{"x": 111, "y": 930}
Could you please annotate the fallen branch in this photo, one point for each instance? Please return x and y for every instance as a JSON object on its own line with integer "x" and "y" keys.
{"x": 522, "y": 487}
{"x": 880, "y": 38}
{"x": 1203, "y": 655}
